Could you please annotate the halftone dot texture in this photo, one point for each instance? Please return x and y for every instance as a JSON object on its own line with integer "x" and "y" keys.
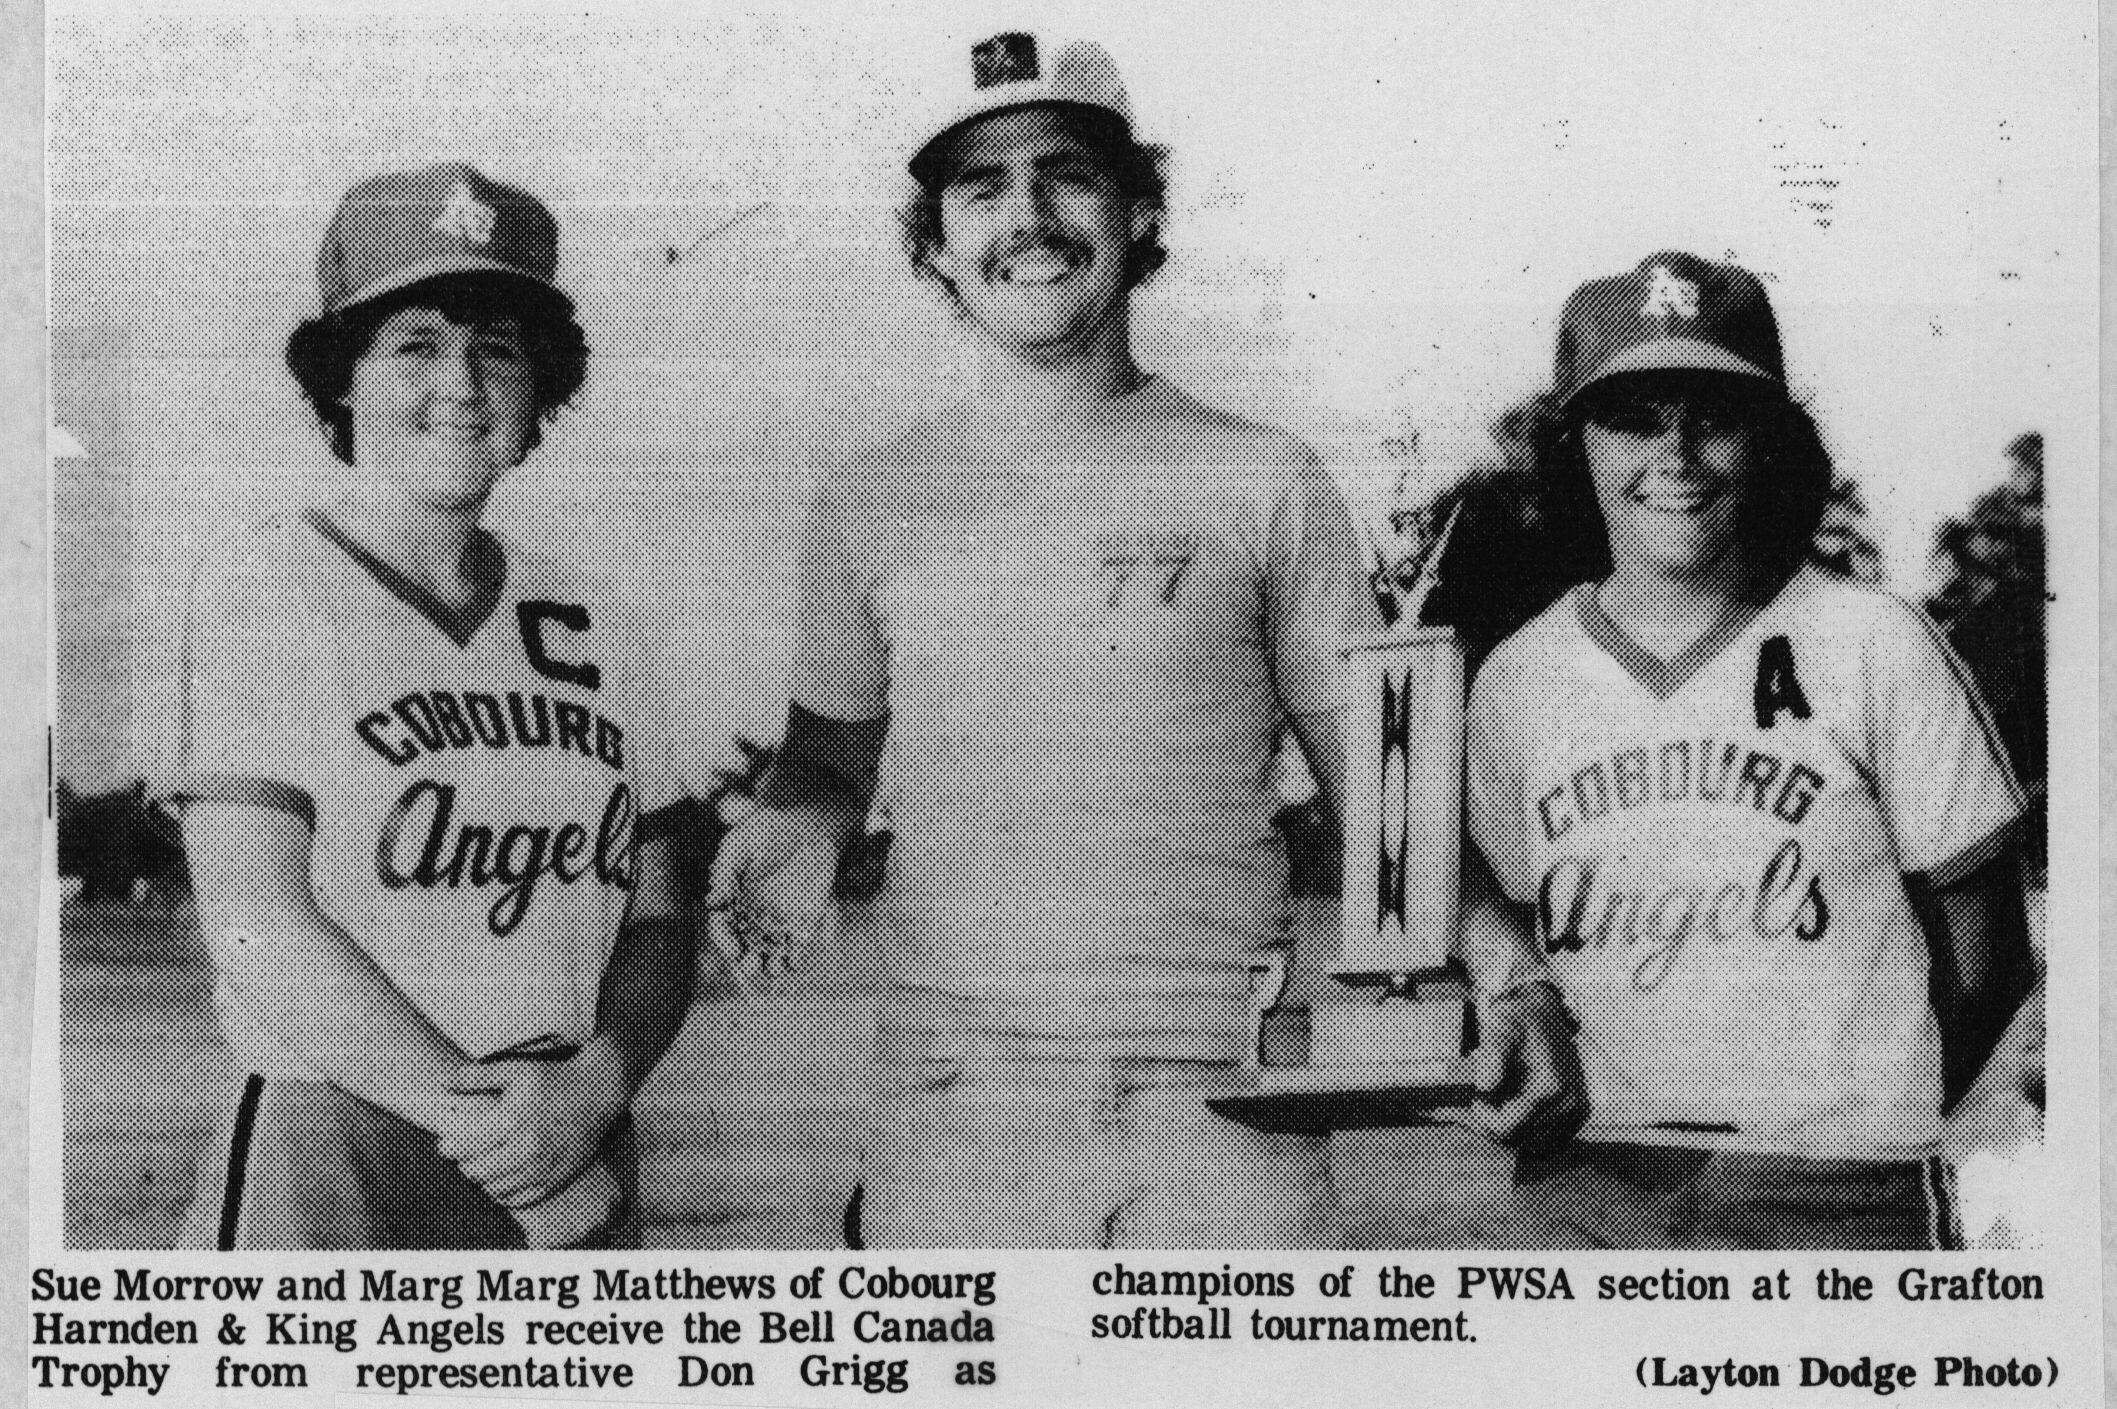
{"x": 1723, "y": 832}
{"x": 302, "y": 1165}
{"x": 398, "y": 228}
{"x": 1079, "y": 776}
{"x": 1716, "y": 845}
{"x": 1674, "y": 313}
{"x": 1630, "y": 1196}
{"x": 474, "y": 780}
{"x": 1016, "y": 70}
{"x": 1000, "y": 1152}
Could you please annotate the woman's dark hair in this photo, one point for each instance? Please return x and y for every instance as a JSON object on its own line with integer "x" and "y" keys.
{"x": 1137, "y": 169}
{"x": 322, "y": 351}
{"x": 1789, "y": 486}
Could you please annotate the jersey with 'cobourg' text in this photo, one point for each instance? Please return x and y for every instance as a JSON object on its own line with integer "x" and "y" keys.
{"x": 476, "y": 781}
{"x": 1716, "y": 849}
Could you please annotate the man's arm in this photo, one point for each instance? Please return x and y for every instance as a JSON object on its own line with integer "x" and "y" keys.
{"x": 647, "y": 986}
{"x": 1315, "y": 939}
{"x": 775, "y": 872}
{"x": 1321, "y": 738}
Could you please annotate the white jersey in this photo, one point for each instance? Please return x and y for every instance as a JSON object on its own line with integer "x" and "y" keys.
{"x": 476, "y": 781}
{"x": 1716, "y": 848}
{"x": 1085, "y": 665}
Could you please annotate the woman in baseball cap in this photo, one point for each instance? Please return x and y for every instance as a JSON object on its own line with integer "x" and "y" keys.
{"x": 1755, "y": 812}
{"x": 444, "y": 238}
{"x": 428, "y": 818}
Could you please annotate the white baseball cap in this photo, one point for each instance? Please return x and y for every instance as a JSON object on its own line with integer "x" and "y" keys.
{"x": 1019, "y": 69}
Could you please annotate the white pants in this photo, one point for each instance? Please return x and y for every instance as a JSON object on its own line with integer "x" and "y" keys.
{"x": 1118, "y": 1153}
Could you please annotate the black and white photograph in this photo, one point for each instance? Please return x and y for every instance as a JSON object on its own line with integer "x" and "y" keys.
{"x": 680, "y": 632}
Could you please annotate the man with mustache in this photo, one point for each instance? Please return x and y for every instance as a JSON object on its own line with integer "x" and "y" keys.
{"x": 1082, "y": 605}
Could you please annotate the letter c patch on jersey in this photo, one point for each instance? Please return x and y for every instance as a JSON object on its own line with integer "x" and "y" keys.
{"x": 1778, "y": 688}
{"x": 533, "y": 616}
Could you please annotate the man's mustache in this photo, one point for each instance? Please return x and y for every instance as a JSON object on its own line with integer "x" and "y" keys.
{"x": 1058, "y": 242}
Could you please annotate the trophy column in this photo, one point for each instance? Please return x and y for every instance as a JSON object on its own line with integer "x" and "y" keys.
{"x": 1396, "y": 1052}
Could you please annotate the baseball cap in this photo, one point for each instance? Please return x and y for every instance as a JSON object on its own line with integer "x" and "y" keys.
{"x": 396, "y": 230}
{"x": 1674, "y": 313}
{"x": 1018, "y": 69}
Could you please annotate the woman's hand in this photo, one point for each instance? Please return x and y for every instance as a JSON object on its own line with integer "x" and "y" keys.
{"x": 1532, "y": 1095}
{"x": 539, "y": 1124}
{"x": 576, "y": 1216}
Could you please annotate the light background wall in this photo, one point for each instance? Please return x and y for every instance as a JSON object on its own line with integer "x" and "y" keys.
{"x": 1377, "y": 211}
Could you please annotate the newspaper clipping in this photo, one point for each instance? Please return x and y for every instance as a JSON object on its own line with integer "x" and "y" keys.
{"x": 1064, "y": 703}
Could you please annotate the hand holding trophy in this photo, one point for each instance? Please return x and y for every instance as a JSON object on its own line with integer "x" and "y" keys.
{"x": 1402, "y": 1057}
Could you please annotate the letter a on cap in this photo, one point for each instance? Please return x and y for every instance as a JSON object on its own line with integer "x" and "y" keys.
{"x": 1670, "y": 297}
{"x": 1004, "y": 58}
{"x": 465, "y": 216}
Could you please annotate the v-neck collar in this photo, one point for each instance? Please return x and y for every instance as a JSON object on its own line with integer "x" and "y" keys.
{"x": 484, "y": 562}
{"x": 1663, "y": 678}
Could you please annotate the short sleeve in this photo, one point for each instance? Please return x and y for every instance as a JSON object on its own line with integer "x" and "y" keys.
{"x": 1499, "y": 813}
{"x": 1940, "y": 767}
{"x": 840, "y": 663}
{"x": 242, "y": 722}
{"x": 1316, "y": 594}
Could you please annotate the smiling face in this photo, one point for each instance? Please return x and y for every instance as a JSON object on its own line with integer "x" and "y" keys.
{"x": 1672, "y": 463}
{"x": 1035, "y": 232}
{"x": 443, "y": 409}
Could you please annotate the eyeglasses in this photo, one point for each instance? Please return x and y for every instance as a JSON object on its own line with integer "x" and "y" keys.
{"x": 1648, "y": 418}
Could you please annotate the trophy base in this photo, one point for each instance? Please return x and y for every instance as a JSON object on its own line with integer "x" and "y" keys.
{"x": 1398, "y": 1032}
{"x": 1351, "y": 1065}
{"x": 1318, "y": 1100}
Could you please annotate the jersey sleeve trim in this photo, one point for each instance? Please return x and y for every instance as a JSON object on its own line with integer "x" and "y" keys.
{"x": 1995, "y": 744}
{"x": 1975, "y": 856}
{"x": 246, "y": 792}
{"x": 1950, "y": 792}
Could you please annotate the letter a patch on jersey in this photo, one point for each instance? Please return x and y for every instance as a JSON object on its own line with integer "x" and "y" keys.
{"x": 1778, "y": 688}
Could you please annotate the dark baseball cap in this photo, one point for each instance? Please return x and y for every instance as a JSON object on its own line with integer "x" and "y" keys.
{"x": 1674, "y": 313}
{"x": 399, "y": 229}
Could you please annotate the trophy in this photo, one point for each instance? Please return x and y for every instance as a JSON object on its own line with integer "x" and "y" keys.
{"x": 1399, "y": 1054}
